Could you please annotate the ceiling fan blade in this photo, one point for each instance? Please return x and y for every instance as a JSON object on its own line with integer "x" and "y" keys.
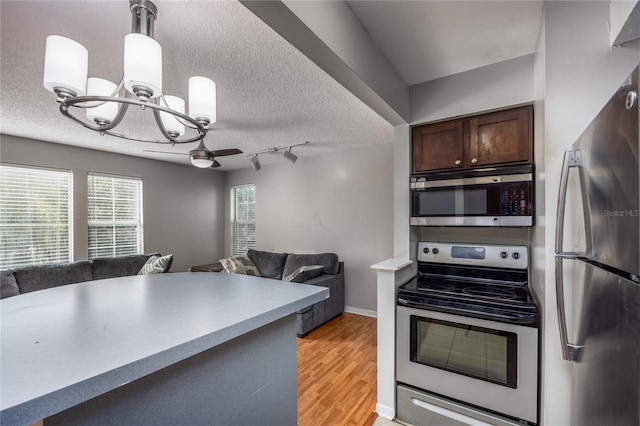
{"x": 225, "y": 152}
{"x": 165, "y": 152}
{"x": 215, "y": 164}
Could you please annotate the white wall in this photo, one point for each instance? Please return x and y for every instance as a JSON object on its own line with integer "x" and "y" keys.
{"x": 183, "y": 206}
{"x": 495, "y": 86}
{"x": 581, "y": 72}
{"x": 341, "y": 203}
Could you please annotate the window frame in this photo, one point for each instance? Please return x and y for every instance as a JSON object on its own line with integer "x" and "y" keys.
{"x": 235, "y": 221}
{"x": 69, "y": 222}
{"x": 139, "y": 223}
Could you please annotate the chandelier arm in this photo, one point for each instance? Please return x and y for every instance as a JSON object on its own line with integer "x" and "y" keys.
{"x": 73, "y": 102}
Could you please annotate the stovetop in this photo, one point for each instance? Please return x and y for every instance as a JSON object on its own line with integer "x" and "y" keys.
{"x": 471, "y": 289}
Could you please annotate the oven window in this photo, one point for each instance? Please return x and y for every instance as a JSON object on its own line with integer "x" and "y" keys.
{"x": 483, "y": 353}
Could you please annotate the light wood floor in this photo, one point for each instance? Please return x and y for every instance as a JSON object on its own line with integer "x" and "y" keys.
{"x": 337, "y": 373}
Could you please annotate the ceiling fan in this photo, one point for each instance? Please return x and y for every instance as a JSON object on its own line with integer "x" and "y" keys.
{"x": 202, "y": 157}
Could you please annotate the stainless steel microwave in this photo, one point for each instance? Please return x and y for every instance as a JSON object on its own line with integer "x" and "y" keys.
{"x": 501, "y": 196}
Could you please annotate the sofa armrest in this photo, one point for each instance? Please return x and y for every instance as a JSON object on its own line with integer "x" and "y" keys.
{"x": 335, "y": 283}
{"x": 9, "y": 286}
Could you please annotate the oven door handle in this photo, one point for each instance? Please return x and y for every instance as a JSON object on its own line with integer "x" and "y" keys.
{"x": 570, "y": 351}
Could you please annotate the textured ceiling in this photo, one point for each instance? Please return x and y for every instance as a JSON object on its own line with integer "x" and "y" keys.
{"x": 268, "y": 93}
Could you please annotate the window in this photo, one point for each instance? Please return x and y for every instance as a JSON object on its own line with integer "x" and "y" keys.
{"x": 243, "y": 219}
{"x": 114, "y": 216}
{"x": 35, "y": 216}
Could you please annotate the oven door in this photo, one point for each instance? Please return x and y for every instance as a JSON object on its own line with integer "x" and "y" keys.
{"x": 478, "y": 201}
{"x": 488, "y": 364}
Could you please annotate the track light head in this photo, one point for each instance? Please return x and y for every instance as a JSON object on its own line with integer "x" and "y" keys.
{"x": 255, "y": 162}
{"x": 290, "y": 156}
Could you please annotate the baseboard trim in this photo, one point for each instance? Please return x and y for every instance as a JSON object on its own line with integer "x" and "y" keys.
{"x": 358, "y": 311}
{"x": 385, "y": 412}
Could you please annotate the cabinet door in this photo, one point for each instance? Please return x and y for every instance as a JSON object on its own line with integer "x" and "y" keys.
{"x": 501, "y": 137}
{"x": 437, "y": 146}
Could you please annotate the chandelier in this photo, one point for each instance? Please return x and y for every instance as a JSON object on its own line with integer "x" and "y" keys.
{"x": 105, "y": 103}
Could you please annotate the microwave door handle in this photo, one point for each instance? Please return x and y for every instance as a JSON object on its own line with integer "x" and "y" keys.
{"x": 570, "y": 351}
{"x": 571, "y": 159}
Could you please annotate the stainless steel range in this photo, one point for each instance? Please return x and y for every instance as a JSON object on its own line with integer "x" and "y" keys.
{"x": 467, "y": 337}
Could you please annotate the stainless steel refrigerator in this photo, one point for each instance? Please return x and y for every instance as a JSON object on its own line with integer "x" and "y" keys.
{"x": 598, "y": 286}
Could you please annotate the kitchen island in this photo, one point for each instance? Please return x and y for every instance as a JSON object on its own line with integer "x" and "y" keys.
{"x": 178, "y": 348}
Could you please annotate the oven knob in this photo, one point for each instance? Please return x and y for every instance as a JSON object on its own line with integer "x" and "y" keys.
{"x": 425, "y": 250}
{"x": 435, "y": 251}
{"x": 503, "y": 254}
{"x": 516, "y": 255}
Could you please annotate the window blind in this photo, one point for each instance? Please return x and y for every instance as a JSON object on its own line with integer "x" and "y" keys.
{"x": 35, "y": 216}
{"x": 243, "y": 217}
{"x": 114, "y": 216}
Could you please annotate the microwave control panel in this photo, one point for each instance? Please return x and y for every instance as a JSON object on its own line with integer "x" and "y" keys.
{"x": 515, "y": 200}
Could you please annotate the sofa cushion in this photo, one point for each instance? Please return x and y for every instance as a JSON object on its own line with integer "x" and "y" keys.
{"x": 304, "y": 273}
{"x": 156, "y": 265}
{"x": 269, "y": 264}
{"x": 112, "y": 267}
{"x": 328, "y": 260}
{"x": 240, "y": 265}
{"x": 39, "y": 277}
{"x": 9, "y": 285}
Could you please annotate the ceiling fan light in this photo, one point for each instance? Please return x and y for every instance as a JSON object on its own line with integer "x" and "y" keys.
{"x": 202, "y": 99}
{"x": 65, "y": 65}
{"x": 101, "y": 111}
{"x": 142, "y": 66}
{"x": 169, "y": 121}
{"x": 201, "y": 160}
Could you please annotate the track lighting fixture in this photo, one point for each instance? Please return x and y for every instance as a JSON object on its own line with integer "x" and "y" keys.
{"x": 290, "y": 156}
{"x": 255, "y": 162}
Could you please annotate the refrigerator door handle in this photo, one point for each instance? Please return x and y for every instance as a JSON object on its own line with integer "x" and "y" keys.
{"x": 570, "y": 351}
{"x": 571, "y": 159}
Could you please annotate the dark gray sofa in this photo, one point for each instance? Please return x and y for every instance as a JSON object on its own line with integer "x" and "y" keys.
{"x": 279, "y": 265}
{"x": 39, "y": 277}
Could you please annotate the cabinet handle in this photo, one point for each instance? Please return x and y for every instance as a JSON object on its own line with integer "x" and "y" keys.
{"x": 474, "y": 160}
{"x": 457, "y": 163}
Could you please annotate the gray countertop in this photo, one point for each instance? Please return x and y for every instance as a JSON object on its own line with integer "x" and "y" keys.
{"x": 65, "y": 345}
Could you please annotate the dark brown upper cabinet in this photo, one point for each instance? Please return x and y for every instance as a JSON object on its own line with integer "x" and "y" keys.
{"x": 497, "y": 138}
{"x": 437, "y": 146}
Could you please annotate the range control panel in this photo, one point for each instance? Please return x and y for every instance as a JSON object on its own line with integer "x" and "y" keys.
{"x": 513, "y": 257}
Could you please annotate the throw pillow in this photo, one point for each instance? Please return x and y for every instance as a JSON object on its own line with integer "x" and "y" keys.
{"x": 156, "y": 265}
{"x": 240, "y": 265}
{"x": 304, "y": 273}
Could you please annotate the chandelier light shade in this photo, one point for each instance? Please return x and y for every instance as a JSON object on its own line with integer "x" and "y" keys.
{"x": 101, "y": 111}
{"x": 171, "y": 123}
{"x": 65, "y": 66}
{"x": 142, "y": 66}
{"x": 202, "y": 99}
{"x": 106, "y": 103}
